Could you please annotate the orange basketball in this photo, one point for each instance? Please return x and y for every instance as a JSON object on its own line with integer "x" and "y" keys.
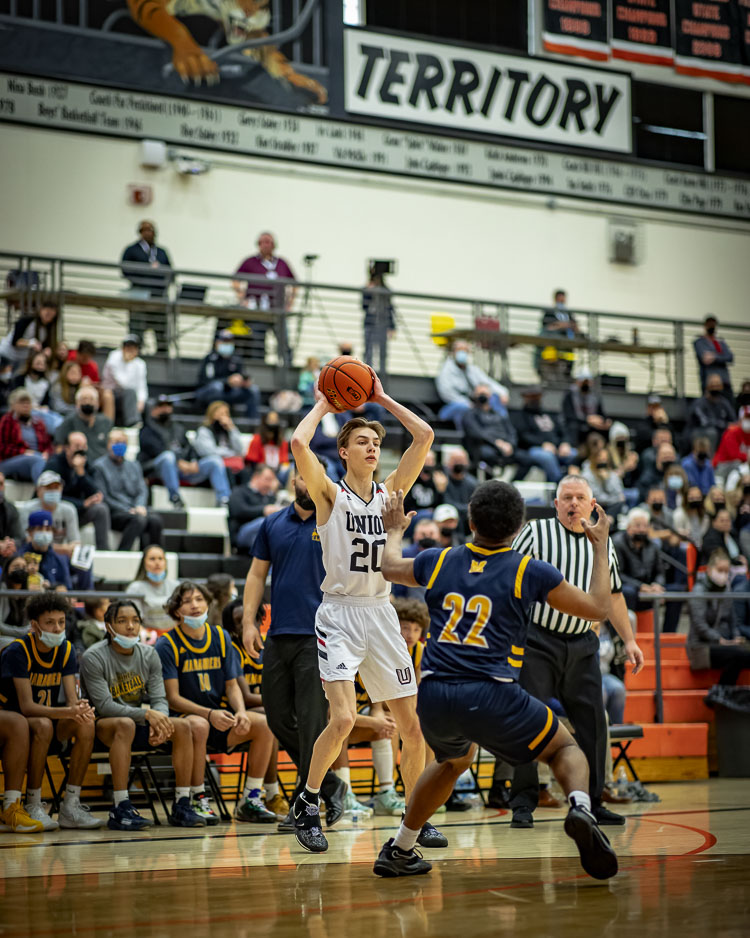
{"x": 346, "y": 382}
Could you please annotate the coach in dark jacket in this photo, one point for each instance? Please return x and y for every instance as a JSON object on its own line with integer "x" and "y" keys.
{"x": 714, "y": 355}
{"x": 222, "y": 377}
{"x": 488, "y": 436}
{"x": 715, "y": 639}
{"x": 250, "y": 504}
{"x": 641, "y": 568}
{"x": 148, "y": 267}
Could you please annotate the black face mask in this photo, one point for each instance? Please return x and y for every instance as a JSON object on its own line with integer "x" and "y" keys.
{"x": 657, "y": 507}
{"x": 426, "y": 473}
{"x": 17, "y": 578}
{"x": 714, "y": 392}
{"x": 710, "y": 330}
{"x": 621, "y": 445}
{"x": 425, "y": 543}
{"x": 39, "y": 373}
{"x": 87, "y": 409}
{"x": 305, "y": 503}
{"x": 695, "y": 502}
{"x": 447, "y": 532}
{"x": 534, "y": 407}
{"x": 586, "y": 387}
{"x": 602, "y": 465}
{"x": 24, "y": 418}
{"x": 639, "y": 538}
{"x": 163, "y": 418}
{"x": 719, "y": 505}
{"x": 481, "y": 399}
{"x": 746, "y": 490}
{"x": 702, "y": 456}
{"x": 81, "y": 452}
{"x": 217, "y": 427}
{"x": 459, "y": 469}
{"x": 667, "y": 465}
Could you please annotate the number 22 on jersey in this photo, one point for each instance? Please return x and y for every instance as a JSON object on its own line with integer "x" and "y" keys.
{"x": 479, "y": 606}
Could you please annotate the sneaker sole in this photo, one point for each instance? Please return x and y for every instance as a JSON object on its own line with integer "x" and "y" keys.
{"x": 385, "y": 869}
{"x": 609, "y": 823}
{"x": 307, "y": 847}
{"x": 173, "y": 823}
{"x": 521, "y": 825}
{"x": 79, "y": 827}
{"x": 115, "y": 826}
{"x": 7, "y": 829}
{"x": 433, "y": 842}
{"x": 597, "y": 857}
{"x": 256, "y": 820}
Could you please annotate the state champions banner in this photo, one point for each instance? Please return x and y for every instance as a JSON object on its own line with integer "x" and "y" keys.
{"x": 389, "y": 77}
{"x": 577, "y": 27}
{"x": 642, "y": 32}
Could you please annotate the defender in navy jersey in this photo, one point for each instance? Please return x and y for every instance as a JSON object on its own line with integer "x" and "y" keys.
{"x": 479, "y": 596}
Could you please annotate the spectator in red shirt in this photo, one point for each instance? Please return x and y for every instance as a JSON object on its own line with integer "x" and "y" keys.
{"x": 24, "y": 441}
{"x": 270, "y": 296}
{"x": 268, "y": 446}
{"x": 734, "y": 448}
{"x": 85, "y": 358}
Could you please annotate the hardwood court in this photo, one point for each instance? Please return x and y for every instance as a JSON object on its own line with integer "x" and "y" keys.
{"x": 684, "y": 870}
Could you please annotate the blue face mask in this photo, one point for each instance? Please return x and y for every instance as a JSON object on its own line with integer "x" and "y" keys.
{"x": 52, "y": 496}
{"x": 42, "y": 539}
{"x": 461, "y": 357}
{"x": 53, "y": 639}
{"x": 195, "y": 622}
{"x": 156, "y": 577}
{"x": 674, "y": 482}
{"x": 125, "y": 641}
{"x": 119, "y": 450}
{"x": 225, "y": 349}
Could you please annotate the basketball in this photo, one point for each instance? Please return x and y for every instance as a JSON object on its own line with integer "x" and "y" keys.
{"x": 346, "y": 382}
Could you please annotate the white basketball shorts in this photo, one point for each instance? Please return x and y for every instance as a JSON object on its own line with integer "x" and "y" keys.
{"x": 363, "y": 634}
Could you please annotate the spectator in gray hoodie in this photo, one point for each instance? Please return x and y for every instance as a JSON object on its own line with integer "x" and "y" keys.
{"x": 124, "y": 489}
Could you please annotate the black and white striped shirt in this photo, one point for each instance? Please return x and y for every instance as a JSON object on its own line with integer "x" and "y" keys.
{"x": 573, "y": 555}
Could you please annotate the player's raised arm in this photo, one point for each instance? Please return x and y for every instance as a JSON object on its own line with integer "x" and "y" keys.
{"x": 410, "y": 465}
{"x": 594, "y": 604}
{"x": 393, "y": 566}
{"x": 321, "y": 488}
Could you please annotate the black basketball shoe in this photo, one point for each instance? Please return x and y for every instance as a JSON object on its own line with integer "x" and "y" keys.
{"x": 430, "y": 836}
{"x": 307, "y": 825}
{"x": 392, "y": 861}
{"x": 597, "y": 856}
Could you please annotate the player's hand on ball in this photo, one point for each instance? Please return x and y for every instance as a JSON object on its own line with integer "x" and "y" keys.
{"x": 598, "y": 532}
{"x": 394, "y": 518}
{"x": 377, "y": 388}
{"x": 320, "y": 398}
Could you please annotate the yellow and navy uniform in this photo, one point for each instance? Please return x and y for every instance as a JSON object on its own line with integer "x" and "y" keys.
{"x": 252, "y": 668}
{"x": 415, "y": 652}
{"x": 479, "y": 601}
{"x": 202, "y": 668}
{"x": 23, "y": 658}
{"x": 361, "y": 696}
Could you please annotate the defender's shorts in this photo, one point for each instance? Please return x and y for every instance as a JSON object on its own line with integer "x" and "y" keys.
{"x": 363, "y": 634}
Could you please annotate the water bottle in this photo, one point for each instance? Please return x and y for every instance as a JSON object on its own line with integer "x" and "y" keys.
{"x": 355, "y": 817}
{"x": 622, "y": 781}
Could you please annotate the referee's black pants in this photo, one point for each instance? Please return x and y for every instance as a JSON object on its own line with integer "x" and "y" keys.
{"x": 567, "y": 668}
{"x": 294, "y": 700}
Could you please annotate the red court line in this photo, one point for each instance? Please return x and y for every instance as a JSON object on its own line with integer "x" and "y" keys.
{"x": 709, "y": 840}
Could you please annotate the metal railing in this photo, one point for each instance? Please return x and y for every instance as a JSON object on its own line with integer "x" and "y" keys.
{"x": 96, "y": 301}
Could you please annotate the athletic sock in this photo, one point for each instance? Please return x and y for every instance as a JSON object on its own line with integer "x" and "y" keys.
{"x": 382, "y": 760}
{"x": 252, "y": 787}
{"x": 345, "y": 774}
{"x": 33, "y": 796}
{"x": 72, "y": 794}
{"x": 196, "y": 790}
{"x": 122, "y": 795}
{"x": 10, "y": 797}
{"x": 406, "y": 838}
{"x": 580, "y": 799}
{"x": 271, "y": 789}
{"x": 311, "y": 795}
{"x": 180, "y": 793}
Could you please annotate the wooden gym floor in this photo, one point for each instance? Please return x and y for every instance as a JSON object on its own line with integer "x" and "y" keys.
{"x": 684, "y": 871}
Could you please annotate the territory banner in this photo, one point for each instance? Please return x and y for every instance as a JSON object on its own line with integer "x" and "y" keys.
{"x": 642, "y": 31}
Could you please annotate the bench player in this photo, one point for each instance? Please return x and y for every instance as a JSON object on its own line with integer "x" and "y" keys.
{"x": 356, "y": 626}
{"x": 479, "y": 597}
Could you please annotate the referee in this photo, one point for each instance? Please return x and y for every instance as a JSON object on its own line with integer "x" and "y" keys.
{"x": 293, "y": 698}
{"x": 561, "y": 658}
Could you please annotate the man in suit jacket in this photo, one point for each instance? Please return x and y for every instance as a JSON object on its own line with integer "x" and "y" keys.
{"x": 714, "y": 356}
{"x": 148, "y": 267}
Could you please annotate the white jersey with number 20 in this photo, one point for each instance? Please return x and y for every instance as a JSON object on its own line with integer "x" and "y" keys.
{"x": 353, "y": 540}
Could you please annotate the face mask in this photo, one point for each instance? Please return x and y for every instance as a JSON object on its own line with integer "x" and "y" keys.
{"x": 217, "y": 427}
{"x": 602, "y": 466}
{"x": 481, "y": 399}
{"x": 425, "y": 543}
{"x": 461, "y": 357}
{"x": 695, "y": 502}
{"x": 534, "y": 407}
{"x": 156, "y": 577}
{"x": 459, "y": 469}
{"x": 656, "y": 507}
{"x": 119, "y": 450}
{"x": 702, "y": 456}
{"x": 745, "y": 424}
{"x": 225, "y": 349}
{"x": 37, "y": 372}
{"x": 718, "y": 578}
{"x": 87, "y": 409}
{"x": 718, "y": 503}
{"x": 447, "y": 532}
{"x": 125, "y": 641}
{"x": 714, "y": 392}
{"x": 24, "y": 418}
{"x": 306, "y": 503}
{"x": 81, "y": 452}
{"x": 639, "y": 538}
{"x": 164, "y": 418}
{"x": 42, "y": 539}
{"x": 586, "y": 387}
{"x": 52, "y": 497}
{"x": 674, "y": 483}
{"x": 195, "y": 622}
{"x": 710, "y": 330}
{"x": 621, "y": 445}
{"x": 17, "y": 578}
{"x": 53, "y": 639}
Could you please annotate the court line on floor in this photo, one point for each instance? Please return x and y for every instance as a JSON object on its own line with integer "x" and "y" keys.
{"x": 215, "y": 835}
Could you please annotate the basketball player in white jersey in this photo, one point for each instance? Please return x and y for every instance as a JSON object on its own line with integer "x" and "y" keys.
{"x": 356, "y": 626}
